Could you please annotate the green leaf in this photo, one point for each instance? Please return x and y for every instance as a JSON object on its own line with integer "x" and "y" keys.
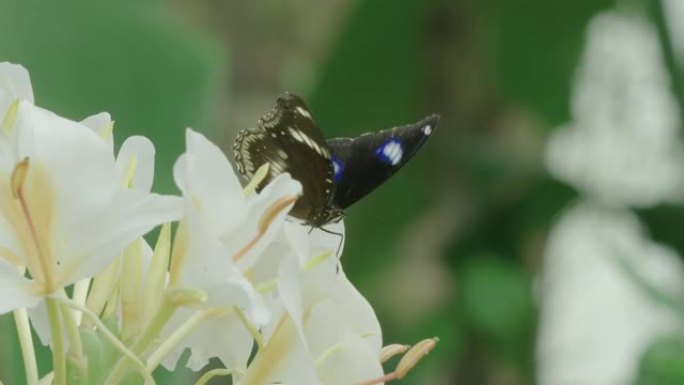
{"x": 661, "y": 364}
{"x": 496, "y": 296}
{"x": 536, "y": 45}
{"x": 153, "y": 74}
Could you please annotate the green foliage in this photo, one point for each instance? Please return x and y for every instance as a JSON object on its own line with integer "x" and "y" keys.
{"x": 133, "y": 60}
{"x": 537, "y": 44}
{"x": 661, "y": 364}
{"x": 496, "y": 300}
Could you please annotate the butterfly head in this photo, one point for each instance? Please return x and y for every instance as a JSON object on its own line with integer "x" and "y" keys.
{"x": 329, "y": 214}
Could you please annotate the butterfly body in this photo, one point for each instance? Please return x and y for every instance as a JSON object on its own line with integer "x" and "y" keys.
{"x": 334, "y": 173}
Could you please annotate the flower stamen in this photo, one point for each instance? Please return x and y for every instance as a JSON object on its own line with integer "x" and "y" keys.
{"x": 130, "y": 171}
{"x": 264, "y": 222}
{"x": 10, "y": 117}
{"x": 18, "y": 180}
{"x": 258, "y": 177}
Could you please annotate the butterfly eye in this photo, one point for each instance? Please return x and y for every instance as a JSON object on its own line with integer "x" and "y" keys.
{"x": 338, "y": 167}
{"x": 390, "y": 152}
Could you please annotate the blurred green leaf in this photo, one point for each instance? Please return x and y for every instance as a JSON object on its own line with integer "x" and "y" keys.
{"x": 496, "y": 301}
{"x": 11, "y": 365}
{"x": 496, "y": 297}
{"x": 661, "y": 364}
{"x": 536, "y": 44}
{"x": 153, "y": 75}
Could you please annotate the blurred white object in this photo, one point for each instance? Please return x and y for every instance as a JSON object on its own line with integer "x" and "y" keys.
{"x": 622, "y": 147}
{"x": 621, "y": 150}
{"x": 595, "y": 320}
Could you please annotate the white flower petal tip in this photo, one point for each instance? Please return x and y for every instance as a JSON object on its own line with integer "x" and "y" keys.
{"x": 102, "y": 124}
{"x": 15, "y": 291}
{"x": 135, "y": 162}
{"x": 15, "y": 83}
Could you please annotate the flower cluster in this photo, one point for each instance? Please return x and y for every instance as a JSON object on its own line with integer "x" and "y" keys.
{"x": 237, "y": 281}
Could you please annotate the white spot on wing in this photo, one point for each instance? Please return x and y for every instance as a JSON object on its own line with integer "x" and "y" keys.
{"x": 427, "y": 130}
{"x": 303, "y": 112}
{"x": 295, "y": 134}
{"x": 392, "y": 152}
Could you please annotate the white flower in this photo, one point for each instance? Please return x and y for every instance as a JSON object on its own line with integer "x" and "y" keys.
{"x": 63, "y": 211}
{"x": 595, "y": 319}
{"x": 14, "y": 85}
{"x": 221, "y": 237}
{"x": 623, "y": 146}
{"x": 325, "y": 331}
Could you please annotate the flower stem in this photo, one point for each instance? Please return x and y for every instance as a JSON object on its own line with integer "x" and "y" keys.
{"x": 58, "y": 354}
{"x": 102, "y": 328}
{"x": 80, "y": 294}
{"x": 213, "y": 373}
{"x": 170, "y": 342}
{"x": 253, "y": 329}
{"x": 76, "y": 355}
{"x": 28, "y": 353}
{"x": 123, "y": 365}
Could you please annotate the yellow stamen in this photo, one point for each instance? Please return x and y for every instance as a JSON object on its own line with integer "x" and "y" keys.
{"x": 258, "y": 177}
{"x": 264, "y": 222}
{"x": 19, "y": 177}
{"x": 131, "y": 167}
{"x": 390, "y": 351}
{"x": 315, "y": 261}
{"x": 417, "y": 352}
{"x": 326, "y": 354}
{"x": 10, "y": 118}
{"x": 211, "y": 374}
{"x": 106, "y": 132}
{"x": 45, "y": 271}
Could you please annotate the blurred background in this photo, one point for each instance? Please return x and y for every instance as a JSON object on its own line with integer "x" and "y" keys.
{"x": 539, "y": 234}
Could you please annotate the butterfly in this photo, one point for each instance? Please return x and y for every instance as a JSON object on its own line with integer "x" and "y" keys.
{"x": 334, "y": 173}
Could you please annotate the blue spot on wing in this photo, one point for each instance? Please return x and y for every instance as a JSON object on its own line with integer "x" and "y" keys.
{"x": 390, "y": 151}
{"x": 338, "y": 168}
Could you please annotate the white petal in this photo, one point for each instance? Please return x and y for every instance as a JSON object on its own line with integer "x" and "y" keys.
{"x": 352, "y": 362}
{"x": 225, "y": 338}
{"x": 140, "y": 150}
{"x": 284, "y": 360}
{"x": 282, "y": 187}
{"x": 308, "y": 243}
{"x": 14, "y": 290}
{"x": 14, "y": 84}
{"x": 345, "y": 311}
{"x": 595, "y": 320}
{"x": 209, "y": 267}
{"x": 96, "y": 240}
{"x": 204, "y": 171}
{"x": 101, "y": 124}
{"x": 80, "y": 165}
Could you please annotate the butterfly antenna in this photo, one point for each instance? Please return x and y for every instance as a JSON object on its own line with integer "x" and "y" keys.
{"x": 339, "y": 245}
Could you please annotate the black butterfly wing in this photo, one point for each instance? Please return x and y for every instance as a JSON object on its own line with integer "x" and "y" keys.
{"x": 362, "y": 164}
{"x": 289, "y": 140}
